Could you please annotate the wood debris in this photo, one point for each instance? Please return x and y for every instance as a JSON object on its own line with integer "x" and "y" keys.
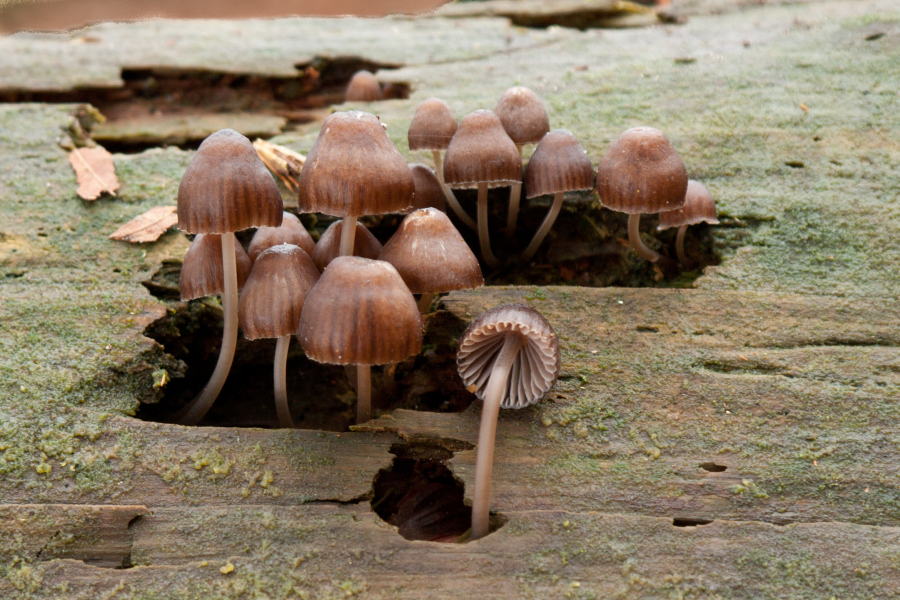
{"x": 284, "y": 162}
{"x": 95, "y": 172}
{"x": 148, "y": 226}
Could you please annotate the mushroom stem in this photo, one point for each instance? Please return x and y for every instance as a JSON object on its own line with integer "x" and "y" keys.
{"x": 515, "y": 197}
{"x": 281, "y": 401}
{"x": 679, "y": 246}
{"x": 425, "y": 302}
{"x": 363, "y": 393}
{"x": 448, "y": 193}
{"x": 199, "y": 406}
{"x": 634, "y": 236}
{"x": 544, "y": 229}
{"x": 487, "y": 434}
{"x": 348, "y": 236}
{"x": 483, "y": 235}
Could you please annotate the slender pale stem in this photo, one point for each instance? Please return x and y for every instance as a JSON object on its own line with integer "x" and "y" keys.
{"x": 199, "y": 406}
{"x": 544, "y": 229}
{"x": 281, "y": 401}
{"x": 425, "y": 302}
{"x": 348, "y": 236}
{"x": 515, "y": 197}
{"x": 448, "y": 193}
{"x": 679, "y": 246}
{"x": 634, "y": 236}
{"x": 483, "y": 235}
{"x": 363, "y": 393}
{"x": 487, "y": 434}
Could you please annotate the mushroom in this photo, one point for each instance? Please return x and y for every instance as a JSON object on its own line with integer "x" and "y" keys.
{"x": 360, "y": 313}
{"x": 432, "y": 128}
{"x": 559, "y": 164}
{"x": 699, "y": 207}
{"x": 526, "y": 121}
{"x": 641, "y": 173}
{"x": 291, "y": 231}
{"x": 271, "y": 305}
{"x": 429, "y": 189}
{"x": 364, "y": 244}
{"x": 363, "y": 87}
{"x": 226, "y": 188}
{"x": 482, "y": 155}
{"x": 509, "y": 357}
{"x": 201, "y": 270}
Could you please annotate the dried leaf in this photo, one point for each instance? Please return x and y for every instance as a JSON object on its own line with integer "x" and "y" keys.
{"x": 284, "y": 162}
{"x": 148, "y": 226}
{"x": 95, "y": 172}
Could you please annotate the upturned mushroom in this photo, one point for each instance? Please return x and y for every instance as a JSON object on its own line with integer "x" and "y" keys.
{"x": 509, "y": 357}
{"x": 291, "y": 231}
{"x": 271, "y": 305}
{"x": 641, "y": 174}
{"x": 699, "y": 207}
{"x": 363, "y": 87}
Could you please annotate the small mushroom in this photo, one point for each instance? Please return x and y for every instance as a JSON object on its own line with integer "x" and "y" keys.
{"x": 363, "y": 87}
{"x": 429, "y": 189}
{"x": 328, "y": 248}
{"x": 699, "y": 207}
{"x": 291, "y": 231}
{"x": 509, "y": 357}
{"x": 201, "y": 270}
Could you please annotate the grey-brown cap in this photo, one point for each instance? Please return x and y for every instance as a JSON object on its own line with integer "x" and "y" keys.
{"x": 353, "y": 169}
{"x": 481, "y": 152}
{"x": 226, "y": 187}
{"x": 360, "y": 313}
{"x": 641, "y": 173}
{"x": 201, "y": 271}
{"x": 363, "y": 87}
{"x": 431, "y": 256}
{"x": 559, "y": 164}
{"x": 329, "y": 246}
{"x": 699, "y": 207}
{"x": 291, "y": 231}
{"x": 535, "y": 368}
{"x": 429, "y": 193}
{"x": 523, "y": 115}
{"x": 273, "y": 297}
{"x": 432, "y": 126}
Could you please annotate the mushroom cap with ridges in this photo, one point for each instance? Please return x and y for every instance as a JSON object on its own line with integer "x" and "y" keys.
{"x": 481, "y": 152}
{"x": 226, "y": 187}
{"x": 327, "y": 249}
{"x": 431, "y": 256}
{"x": 699, "y": 207}
{"x": 429, "y": 193}
{"x": 291, "y": 231}
{"x": 559, "y": 164}
{"x": 641, "y": 173}
{"x": 523, "y": 115}
{"x": 201, "y": 271}
{"x": 363, "y": 87}
{"x": 536, "y": 367}
{"x": 272, "y": 300}
{"x": 353, "y": 169}
{"x": 432, "y": 126}
{"x": 360, "y": 313}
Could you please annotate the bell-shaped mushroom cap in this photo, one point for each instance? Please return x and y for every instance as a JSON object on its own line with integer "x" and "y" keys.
{"x": 226, "y": 187}
{"x": 364, "y": 244}
{"x": 363, "y": 87}
{"x": 641, "y": 173}
{"x": 559, "y": 164}
{"x": 432, "y": 126}
{"x": 291, "y": 231}
{"x": 523, "y": 115}
{"x": 431, "y": 256}
{"x": 273, "y": 296}
{"x": 536, "y": 367}
{"x": 699, "y": 207}
{"x": 429, "y": 193}
{"x": 202, "y": 273}
{"x": 354, "y": 169}
{"x": 481, "y": 152}
{"x": 360, "y": 313}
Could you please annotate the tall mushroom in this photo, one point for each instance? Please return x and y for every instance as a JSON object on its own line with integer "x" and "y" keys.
{"x": 699, "y": 207}
{"x": 226, "y": 188}
{"x": 509, "y": 357}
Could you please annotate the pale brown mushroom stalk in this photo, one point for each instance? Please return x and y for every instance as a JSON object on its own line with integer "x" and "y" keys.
{"x": 699, "y": 207}
{"x": 449, "y": 195}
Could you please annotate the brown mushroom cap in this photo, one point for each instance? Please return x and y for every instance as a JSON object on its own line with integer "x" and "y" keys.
{"x": 641, "y": 173}
{"x": 429, "y": 193}
{"x": 363, "y": 87}
{"x": 559, "y": 164}
{"x": 360, "y": 313}
{"x": 432, "y": 126}
{"x": 482, "y": 152}
{"x": 353, "y": 169}
{"x": 273, "y": 296}
{"x": 226, "y": 187}
{"x": 364, "y": 244}
{"x": 535, "y": 368}
{"x": 201, "y": 270}
{"x": 291, "y": 231}
{"x": 699, "y": 207}
{"x": 523, "y": 115}
{"x": 430, "y": 254}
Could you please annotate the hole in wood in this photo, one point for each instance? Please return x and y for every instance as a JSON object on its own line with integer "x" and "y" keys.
{"x": 685, "y": 522}
{"x": 713, "y": 467}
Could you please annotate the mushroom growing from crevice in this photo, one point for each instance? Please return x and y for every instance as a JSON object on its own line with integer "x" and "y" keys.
{"x": 291, "y": 231}
{"x": 699, "y": 207}
{"x": 509, "y": 357}
{"x": 363, "y": 87}
{"x": 328, "y": 247}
